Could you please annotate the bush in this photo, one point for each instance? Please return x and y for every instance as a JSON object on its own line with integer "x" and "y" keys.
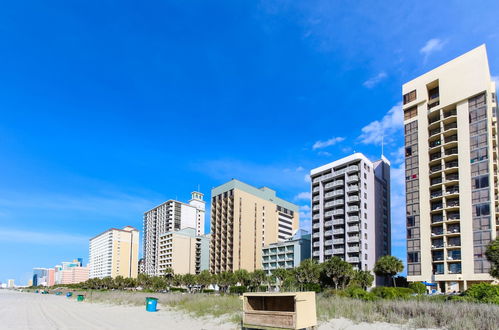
{"x": 238, "y": 289}
{"x": 178, "y": 290}
{"x": 483, "y": 292}
{"x": 358, "y": 293}
{"x": 312, "y": 287}
{"x": 392, "y": 293}
{"x": 418, "y": 287}
{"x": 208, "y": 291}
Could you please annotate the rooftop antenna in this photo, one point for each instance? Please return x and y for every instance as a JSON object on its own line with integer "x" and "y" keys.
{"x": 199, "y": 188}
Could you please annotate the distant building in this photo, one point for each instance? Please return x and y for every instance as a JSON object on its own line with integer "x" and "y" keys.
{"x": 243, "y": 219}
{"x": 114, "y": 252}
{"x": 183, "y": 251}
{"x": 74, "y": 275}
{"x": 50, "y": 277}
{"x": 351, "y": 211}
{"x": 170, "y": 216}
{"x": 40, "y": 276}
{"x": 141, "y": 266}
{"x": 286, "y": 254}
{"x": 11, "y": 284}
{"x": 30, "y": 282}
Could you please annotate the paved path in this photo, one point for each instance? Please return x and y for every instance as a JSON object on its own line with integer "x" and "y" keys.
{"x": 36, "y": 311}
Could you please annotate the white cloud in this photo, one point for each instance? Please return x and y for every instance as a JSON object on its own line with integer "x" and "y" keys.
{"x": 398, "y": 156}
{"x": 390, "y": 124}
{"x": 40, "y": 238}
{"x": 307, "y": 178}
{"x": 373, "y": 81}
{"x": 303, "y": 195}
{"x": 496, "y": 80}
{"x": 327, "y": 143}
{"x": 432, "y": 46}
{"x": 324, "y": 153}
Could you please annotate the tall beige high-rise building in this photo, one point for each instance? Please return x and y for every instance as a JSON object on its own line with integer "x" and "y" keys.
{"x": 450, "y": 118}
{"x": 243, "y": 219}
{"x": 115, "y": 252}
{"x": 184, "y": 252}
{"x": 170, "y": 216}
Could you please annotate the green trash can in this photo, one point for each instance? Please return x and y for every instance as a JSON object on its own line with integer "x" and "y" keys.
{"x": 80, "y": 297}
{"x": 151, "y": 304}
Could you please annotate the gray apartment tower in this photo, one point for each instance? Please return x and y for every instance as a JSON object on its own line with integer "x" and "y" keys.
{"x": 351, "y": 211}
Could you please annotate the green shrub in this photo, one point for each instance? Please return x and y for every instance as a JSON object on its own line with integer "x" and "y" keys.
{"x": 238, "y": 289}
{"x": 208, "y": 291}
{"x": 178, "y": 290}
{"x": 418, "y": 287}
{"x": 483, "y": 292}
{"x": 312, "y": 287}
{"x": 358, "y": 293}
{"x": 392, "y": 293}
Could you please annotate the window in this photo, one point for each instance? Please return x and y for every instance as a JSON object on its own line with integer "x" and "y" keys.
{"x": 480, "y": 182}
{"x": 413, "y": 257}
{"x": 408, "y": 151}
{"x": 481, "y": 209}
{"x": 410, "y": 113}
{"x": 409, "y": 97}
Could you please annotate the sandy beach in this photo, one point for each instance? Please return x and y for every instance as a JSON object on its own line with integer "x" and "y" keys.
{"x": 36, "y": 311}
{"x": 20, "y": 310}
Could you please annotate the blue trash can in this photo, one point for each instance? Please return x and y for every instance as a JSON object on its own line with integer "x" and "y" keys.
{"x": 69, "y": 294}
{"x": 151, "y": 304}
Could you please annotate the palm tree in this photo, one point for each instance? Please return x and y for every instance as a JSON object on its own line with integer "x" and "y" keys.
{"x": 338, "y": 270}
{"x": 225, "y": 280}
{"x": 189, "y": 280}
{"x": 280, "y": 274}
{"x": 242, "y": 276}
{"x": 204, "y": 279}
{"x": 363, "y": 278}
{"x": 308, "y": 272}
{"x": 388, "y": 266}
{"x": 257, "y": 278}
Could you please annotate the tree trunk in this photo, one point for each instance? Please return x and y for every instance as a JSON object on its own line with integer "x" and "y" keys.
{"x": 394, "y": 283}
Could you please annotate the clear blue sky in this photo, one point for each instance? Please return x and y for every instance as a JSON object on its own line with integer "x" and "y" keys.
{"x": 111, "y": 107}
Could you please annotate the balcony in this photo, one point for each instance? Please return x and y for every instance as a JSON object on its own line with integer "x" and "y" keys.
{"x": 450, "y": 126}
{"x": 316, "y": 216}
{"x": 328, "y": 252}
{"x": 317, "y": 244}
{"x": 338, "y": 222}
{"x": 353, "y": 249}
{"x": 436, "y": 194}
{"x": 339, "y": 251}
{"x": 338, "y": 231}
{"x": 451, "y": 151}
{"x": 353, "y": 178}
{"x": 328, "y": 233}
{"x": 328, "y": 242}
{"x": 435, "y": 131}
{"x": 353, "y": 209}
{"x": 451, "y": 177}
{"x": 354, "y": 218}
{"x": 316, "y": 253}
{"x": 316, "y": 225}
{"x": 436, "y": 206}
{"x": 351, "y": 239}
{"x": 450, "y": 113}
{"x": 451, "y": 138}
{"x": 328, "y": 223}
{"x": 353, "y": 199}
{"x": 353, "y": 229}
{"x": 435, "y": 169}
{"x": 352, "y": 168}
{"x": 436, "y": 143}
{"x": 451, "y": 164}
{"x": 316, "y": 207}
{"x": 435, "y": 156}
{"x": 433, "y": 120}
{"x": 353, "y": 259}
{"x": 338, "y": 241}
{"x": 435, "y": 181}
{"x": 338, "y": 212}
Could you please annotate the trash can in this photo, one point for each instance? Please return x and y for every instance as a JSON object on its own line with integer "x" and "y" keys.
{"x": 69, "y": 294}
{"x": 36, "y": 291}
{"x": 151, "y": 304}
{"x": 80, "y": 297}
{"x": 58, "y": 293}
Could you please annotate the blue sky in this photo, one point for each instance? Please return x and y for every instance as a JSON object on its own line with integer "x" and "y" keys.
{"x": 111, "y": 107}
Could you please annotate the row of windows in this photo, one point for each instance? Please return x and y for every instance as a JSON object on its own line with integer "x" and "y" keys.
{"x": 410, "y": 113}
{"x": 479, "y": 169}
{"x": 413, "y": 269}
{"x": 413, "y": 245}
{"x": 409, "y": 97}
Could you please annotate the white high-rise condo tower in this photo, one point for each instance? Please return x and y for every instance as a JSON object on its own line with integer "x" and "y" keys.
{"x": 170, "y": 216}
{"x": 450, "y": 119}
{"x": 351, "y": 211}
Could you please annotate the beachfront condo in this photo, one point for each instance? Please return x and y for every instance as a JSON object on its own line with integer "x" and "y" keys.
{"x": 114, "y": 252}
{"x": 244, "y": 219}
{"x": 286, "y": 254}
{"x": 351, "y": 211}
{"x": 183, "y": 252}
{"x": 450, "y": 119}
{"x": 170, "y": 216}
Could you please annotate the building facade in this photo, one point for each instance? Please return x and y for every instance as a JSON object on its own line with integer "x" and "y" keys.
{"x": 170, "y": 216}
{"x": 286, "y": 254}
{"x": 114, "y": 252}
{"x": 450, "y": 119}
{"x": 243, "y": 219}
{"x": 183, "y": 252}
{"x": 74, "y": 275}
{"x": 351, "y": 211}
{"x": 40, "y": 276}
